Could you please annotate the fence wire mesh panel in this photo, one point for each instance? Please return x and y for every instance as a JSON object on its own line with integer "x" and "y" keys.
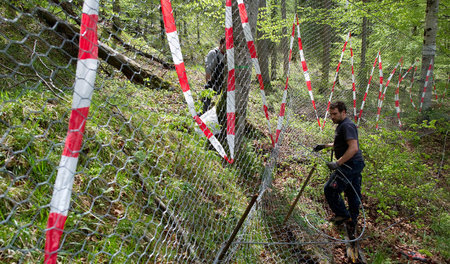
{"x": 165, "y": 131}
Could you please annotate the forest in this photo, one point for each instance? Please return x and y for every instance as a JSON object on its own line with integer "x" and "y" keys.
{"x": 107, "y": 154}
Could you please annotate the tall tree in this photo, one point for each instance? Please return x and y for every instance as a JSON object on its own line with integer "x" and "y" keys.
{"x": 263, "y": 44}
{"x": 364, "y": 43}
{"x": 284, "y": 46}
{"x": 326, "y": 46}
{"x": 429, "y": 48}
{"x": 274, "y": 55}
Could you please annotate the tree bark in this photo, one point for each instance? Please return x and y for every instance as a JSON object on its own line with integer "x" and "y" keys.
{"x": 284, "y": 46}
{"x": 135, "y": 72}
{"x": 263, "y": 50}
{"x": 274, "y": 57}
{"x": 326, "y": 42}
{"x": 243, "y": 71}
{"x": 428, "y": 50}
{"x": 364, "y": 43}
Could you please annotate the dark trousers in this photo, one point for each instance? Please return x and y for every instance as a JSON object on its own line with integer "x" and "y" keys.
{"x": 342, "y": 180}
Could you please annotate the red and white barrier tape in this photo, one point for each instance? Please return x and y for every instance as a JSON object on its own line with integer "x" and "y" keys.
{"x": 283, "y": 101}
{"x": 380, "y": 70}
{"x": 353, "y": 81}
{"x": 251, "y": 47}
{"x": 367, "y": 90}
{"x": 384, "y": 93}
{"x": 410, "y": 88}
{"x": 305, "y": 71}
{"x": 231, "y": 82}
{"x": 397, "y": 93}
{"x": 425, "y": 85}
{"x": 83, "y": 90}
{"x": 177, "y": 56}
{"x": 397, "y": 103}
{"x": 335, "y": 78}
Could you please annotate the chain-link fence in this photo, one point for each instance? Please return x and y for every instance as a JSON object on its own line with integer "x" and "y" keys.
{"x": 110, "y": 152}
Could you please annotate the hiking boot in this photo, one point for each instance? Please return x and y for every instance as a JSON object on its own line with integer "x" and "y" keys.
{"x": 339, "y": 220}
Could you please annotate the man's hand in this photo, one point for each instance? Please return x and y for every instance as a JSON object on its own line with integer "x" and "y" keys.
{"x": 332, "y": 165}
{"x": 319, "y": 147}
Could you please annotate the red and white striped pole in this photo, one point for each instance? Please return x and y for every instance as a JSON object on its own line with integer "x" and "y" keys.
{"x": 410, "y": 88}
{"x": 384, "y": 93}
{"x": 305, "y": 71}
{"x": 231, "y": 86}
{"x": 177, "y": 56}
{"x": 83, "y": 90}
{"x": 426, "y": 85}
{"x": 353, "y": 82}
{"x": 283, "y": 102}
{"x": 397, "y": 93}
{"x": 397, "y": 103}
{"x": 367, "y": 89}
{"x": 335, "y": 78}
{"x": 434, "y": 88}
{"x": 252, "y": 49}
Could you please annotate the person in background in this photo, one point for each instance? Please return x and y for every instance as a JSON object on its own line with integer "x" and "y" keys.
{"x": 346, "y": 170}
{"x": 214, "y": 67}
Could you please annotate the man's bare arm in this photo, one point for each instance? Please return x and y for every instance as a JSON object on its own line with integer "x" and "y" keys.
{"x": 350, "y": 152}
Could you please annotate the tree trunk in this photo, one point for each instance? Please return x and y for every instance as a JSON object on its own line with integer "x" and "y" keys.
{"x": 429, "y": 49}
{"x": 274, "y": 57}
{"x": 263, "y": 51}
{"x": 243, "y": 71}
{"x": 364, "y": 43}
{"x": 284, "y": 46}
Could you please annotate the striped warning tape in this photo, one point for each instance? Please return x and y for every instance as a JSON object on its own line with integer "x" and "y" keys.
{"x": 353, "y": 81}
{"x": 231, "y": 82}
{"x": 83, "y": 90}
{"x": 380, "y": 70}
{"x": 335, "y": 78}
{"x": 397, "y": 103}
{"x": 177, "y": 56}
{"x": 425, "y": 85}
{"x": 410, "y": 88}
{"x": 397, "y": 93}
{"x": 384, "y": 93}
{"x": 283, "y": 101}
{"x": 251, "y": 47}
{"x": 305, "y": 71}
{"x": 367, "y": 90}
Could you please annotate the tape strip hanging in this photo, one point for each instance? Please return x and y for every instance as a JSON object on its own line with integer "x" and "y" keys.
{"x": 410, "y": 88}
{"x": 251, "y": 47}
{"x": 305, "y": 71}
{"x": 397, "y": 93}
{"x": 425, "y": 85}
{"x": 353, "y": 81}
{"x": 397, "y": 103}
{"x": 177, "y": 56}
{"x": 335, "y": 78}
{"x": 283, "y": 101}
{"x": 231, "y": 81}
{"x": 380, "y": 71}
{"x": 367, "y": 90}
{"x": 83, "y": 90}
{"x": 384, "y": 93}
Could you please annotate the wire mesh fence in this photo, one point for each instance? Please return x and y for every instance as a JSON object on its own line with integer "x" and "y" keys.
{"x": 108, "y": 153}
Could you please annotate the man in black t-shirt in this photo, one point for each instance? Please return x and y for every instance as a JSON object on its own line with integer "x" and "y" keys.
{"x": 346, "y": 170}
{"x": 214, "y": 69}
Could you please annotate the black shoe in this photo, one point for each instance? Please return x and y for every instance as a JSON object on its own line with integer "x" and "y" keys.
{"x": 339, "y": 220}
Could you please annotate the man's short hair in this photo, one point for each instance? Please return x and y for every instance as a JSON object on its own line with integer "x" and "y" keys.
{"x": 222, "y": 41}
{"x": 339, "y": 105}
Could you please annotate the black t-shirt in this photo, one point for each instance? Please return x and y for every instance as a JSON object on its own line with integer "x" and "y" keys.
{"x": 346, "y": 130}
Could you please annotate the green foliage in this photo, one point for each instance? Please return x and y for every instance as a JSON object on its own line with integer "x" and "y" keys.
{"x": 441, "y": 229}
